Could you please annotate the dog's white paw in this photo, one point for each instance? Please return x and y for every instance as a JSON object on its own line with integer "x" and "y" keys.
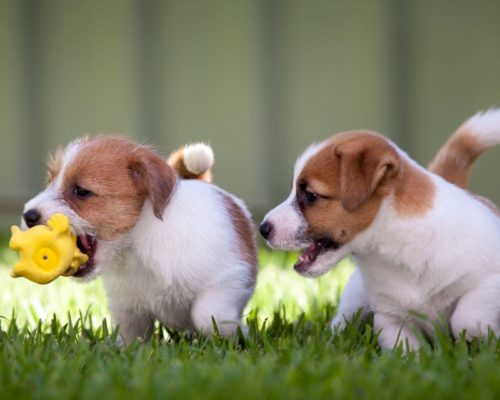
{"x": 338, "y": 323}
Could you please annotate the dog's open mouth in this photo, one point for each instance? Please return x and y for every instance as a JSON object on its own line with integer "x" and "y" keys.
{"x": 87, "y": 245}
{"x": 313, "y": 251}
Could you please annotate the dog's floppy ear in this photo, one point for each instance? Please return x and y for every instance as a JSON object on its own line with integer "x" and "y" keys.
{"x": 153, "y": 177}
{"x": 363, "y": 165}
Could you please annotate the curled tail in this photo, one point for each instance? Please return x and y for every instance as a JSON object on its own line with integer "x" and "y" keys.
{"x": 193, "y": 161}
{"x": 455, "y": 159}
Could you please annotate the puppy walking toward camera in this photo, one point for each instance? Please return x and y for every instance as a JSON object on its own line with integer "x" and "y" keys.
{"x": 181, "y": 251}
{"x": 421, "y": 243}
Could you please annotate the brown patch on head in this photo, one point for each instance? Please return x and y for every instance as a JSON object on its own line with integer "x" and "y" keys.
{"x": 350, "y": 176}
{"x": 244, "y": 231}
{"x": 176, "y": 161}
{"x": 54, "y": 165}
{"x": 363, "y": 162}
{"x": 455, "y": 159}
{"x": 119, "y": 175}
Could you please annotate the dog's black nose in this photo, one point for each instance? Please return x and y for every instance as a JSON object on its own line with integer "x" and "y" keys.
{"x": 265, "y": 229}
{"x": 32, "y": 217}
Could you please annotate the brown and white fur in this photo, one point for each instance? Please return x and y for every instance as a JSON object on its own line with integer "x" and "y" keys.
{"x": 181, "y": 251}
{"x": 421, "y": 243}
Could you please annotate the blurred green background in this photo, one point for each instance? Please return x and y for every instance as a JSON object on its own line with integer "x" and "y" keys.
{"x": 259, "y": 80}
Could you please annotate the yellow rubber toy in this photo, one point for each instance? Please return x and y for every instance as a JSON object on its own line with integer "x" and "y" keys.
{"x": 46, "y": 251}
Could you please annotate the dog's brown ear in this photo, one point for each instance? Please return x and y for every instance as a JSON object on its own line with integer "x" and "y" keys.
{"x": 363, "y": 165}
{"x": 153, "y": 177}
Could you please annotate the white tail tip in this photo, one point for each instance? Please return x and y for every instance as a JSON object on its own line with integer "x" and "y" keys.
{"x": 485, "y": 126}
{"x": 198, "y": 158}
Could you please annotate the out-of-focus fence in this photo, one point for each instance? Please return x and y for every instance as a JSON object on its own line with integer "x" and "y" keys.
{"x": 259, "y": 80}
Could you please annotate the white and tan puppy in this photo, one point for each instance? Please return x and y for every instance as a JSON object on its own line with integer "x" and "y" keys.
{"x": 176, "y": 250}
{"x": 421, "y": 243}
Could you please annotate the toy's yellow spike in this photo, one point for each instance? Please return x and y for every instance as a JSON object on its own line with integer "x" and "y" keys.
{"x": 36, "y": 275}
{"x": 59, "y": 223}
{"x": 18, "y": 269}
{"x": 16, "y": 241}
{"x": 46, "y": 251}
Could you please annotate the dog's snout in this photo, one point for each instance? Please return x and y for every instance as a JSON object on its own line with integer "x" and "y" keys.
{"x": 32, "y": 217}
{"x": 265, "y": 229}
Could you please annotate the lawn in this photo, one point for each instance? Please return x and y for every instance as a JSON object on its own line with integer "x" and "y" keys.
{"x": 57, "y": 341}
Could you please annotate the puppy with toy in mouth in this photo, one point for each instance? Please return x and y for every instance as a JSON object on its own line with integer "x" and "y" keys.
{"x": 421, "y": 243}
{"x": 170, "y": 246}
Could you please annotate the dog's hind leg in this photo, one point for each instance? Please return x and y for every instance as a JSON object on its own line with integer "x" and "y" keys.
{"x": 353, "y": 299}
{"x": 222, "y": 306}
{"x": 478, "y": 310}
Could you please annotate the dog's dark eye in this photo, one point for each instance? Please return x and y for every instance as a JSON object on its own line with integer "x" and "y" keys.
{"x": 311, "y": 197}
{"x": 81, "y": 192}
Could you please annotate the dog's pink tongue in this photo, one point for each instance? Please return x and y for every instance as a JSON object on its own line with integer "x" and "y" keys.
{"x": 84, "y": 240}
{"x": 308, "y": 257}
{"x": 310, "y": 254}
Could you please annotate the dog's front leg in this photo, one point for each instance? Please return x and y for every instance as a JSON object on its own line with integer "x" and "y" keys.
{"x": 133, "y": 324}
{"x": 395, "y": 331}
{"x": 353, "y": 299}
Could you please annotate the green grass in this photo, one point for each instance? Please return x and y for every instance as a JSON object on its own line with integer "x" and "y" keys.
{"x": 61, "y": 344}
